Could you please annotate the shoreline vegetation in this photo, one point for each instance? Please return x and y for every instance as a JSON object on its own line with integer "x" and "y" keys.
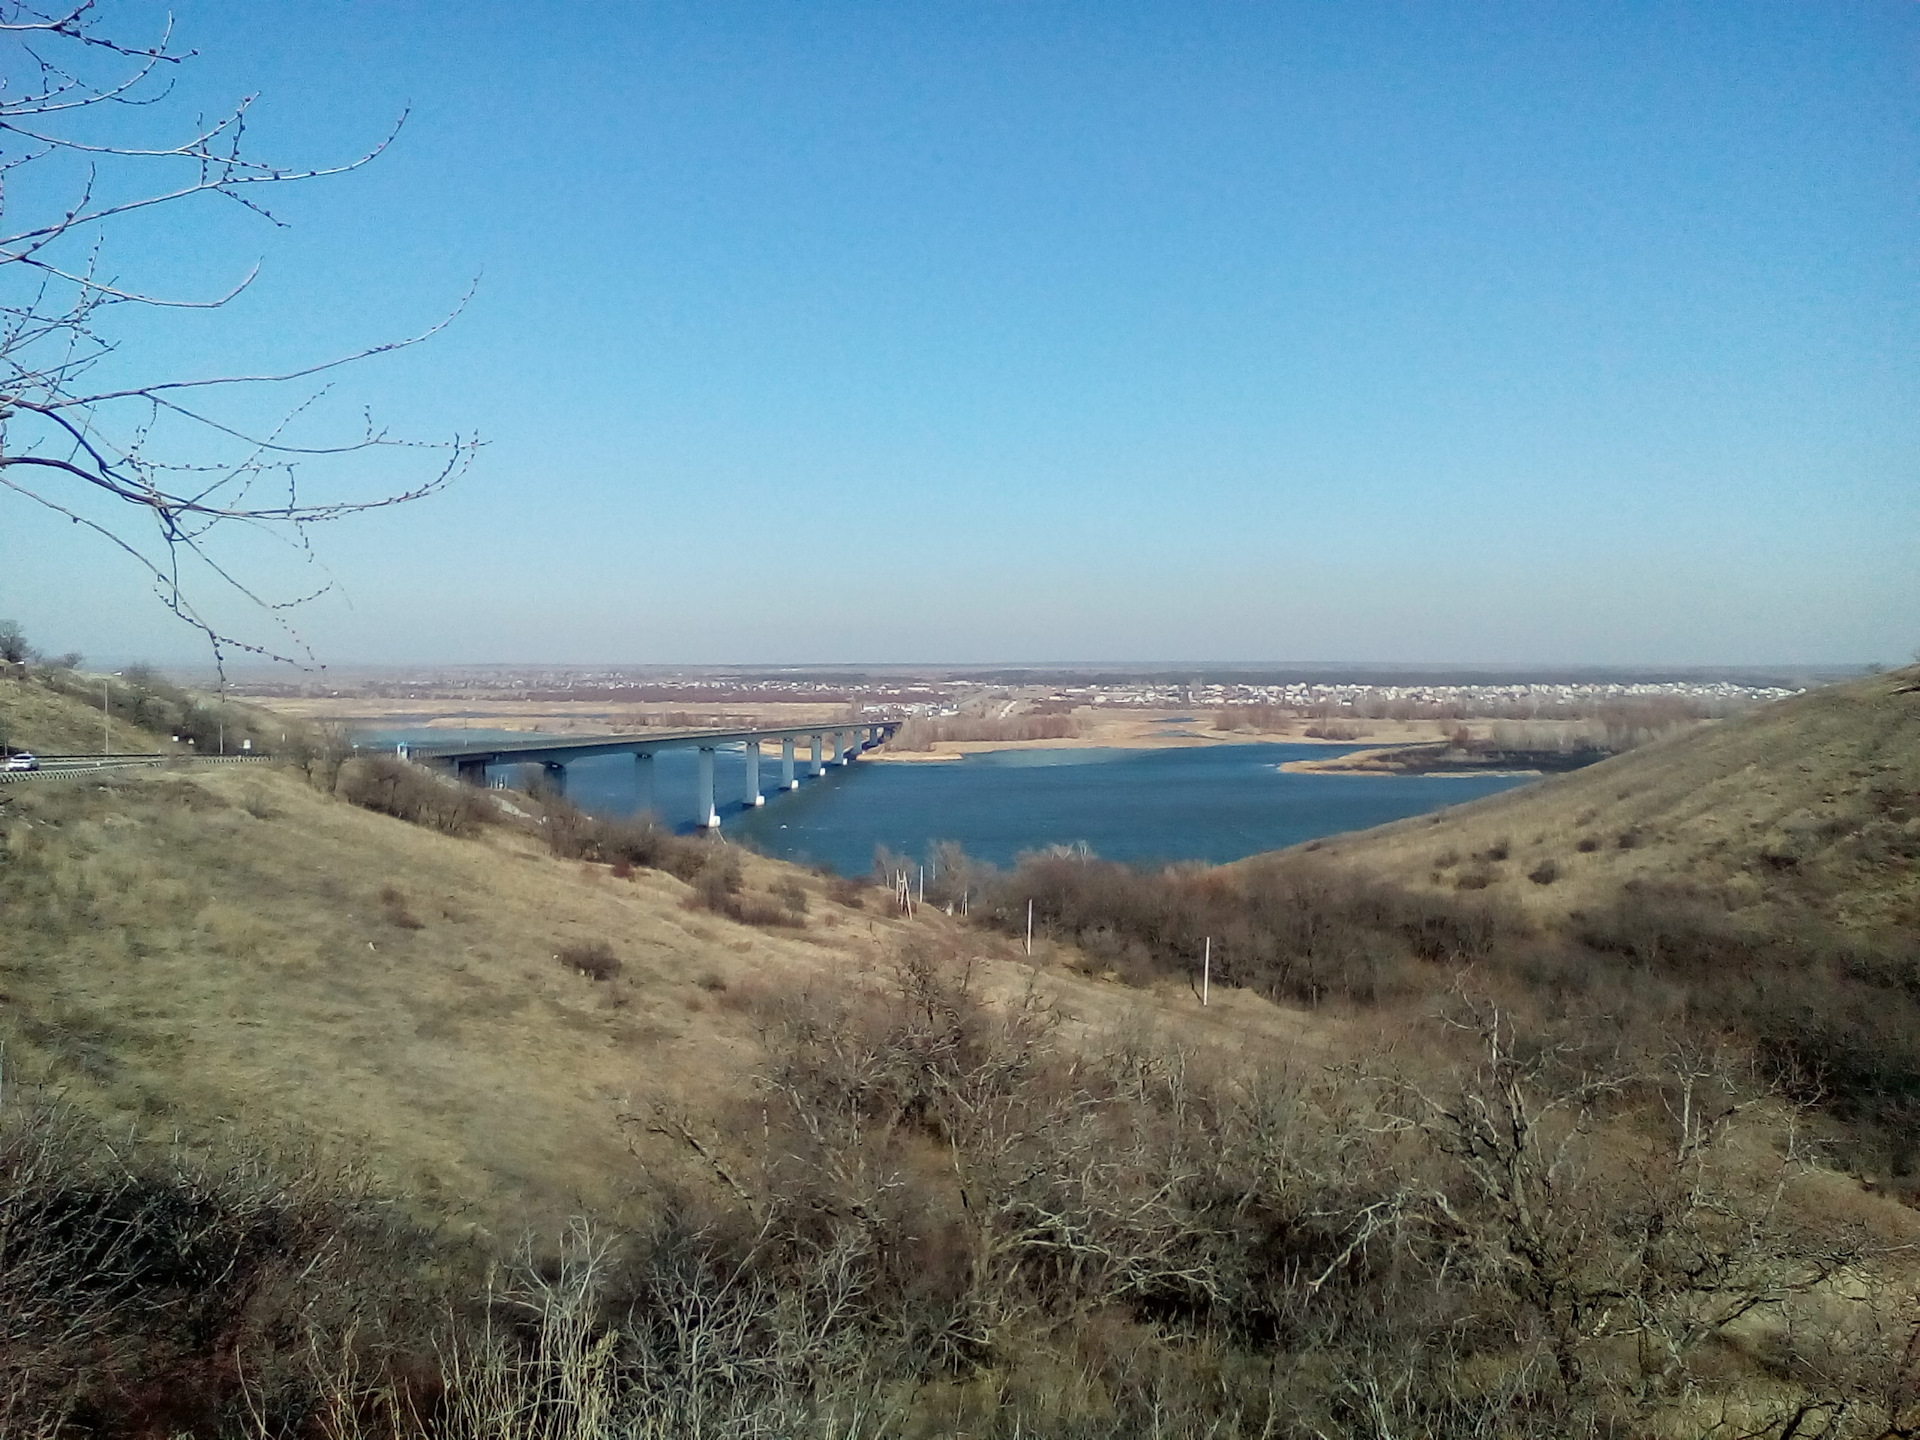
{"x": 1443, "y": 759}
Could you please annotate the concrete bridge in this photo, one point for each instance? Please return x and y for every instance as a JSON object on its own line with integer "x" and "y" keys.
{"x": 836, "y": 744}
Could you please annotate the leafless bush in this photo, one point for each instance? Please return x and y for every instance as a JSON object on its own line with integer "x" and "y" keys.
{"x": 1665, "y": 1251}
{"x": 849, "y": 891}
{"x": 393, "y": 787}
{"x": 592, "y": 958}
{"x": 572, "y": 834}
{"x": 921, "y": 732}
{"x": 792, "y": 894}
{"x": 145, "y": 1293}
{"x": 318, "y": 754}
{"x": 1262, "y": 719}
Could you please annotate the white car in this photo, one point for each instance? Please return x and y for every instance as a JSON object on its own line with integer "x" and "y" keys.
{"x": 21, "y": 760}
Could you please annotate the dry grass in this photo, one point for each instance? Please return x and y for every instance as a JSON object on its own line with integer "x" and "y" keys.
{"x": 180, "y": 963}
{"x": 34, "y": 717}
{"x": 1817, "y": 797}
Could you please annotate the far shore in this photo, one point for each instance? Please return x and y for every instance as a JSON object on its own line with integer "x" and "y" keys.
{"x": 1157, "y": 730}
{"x": 1100, "y": 729}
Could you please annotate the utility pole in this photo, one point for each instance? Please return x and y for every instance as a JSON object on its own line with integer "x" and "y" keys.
{"x": 106, "y": 720}
{"x": 1206, "y": 971}
{"x": 1029, "y": 929}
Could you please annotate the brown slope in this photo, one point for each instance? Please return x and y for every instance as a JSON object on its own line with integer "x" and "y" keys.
{"x": 35, "y": 716}
{"x": 230, "y": 952}
{"x": 1815, "y": 799}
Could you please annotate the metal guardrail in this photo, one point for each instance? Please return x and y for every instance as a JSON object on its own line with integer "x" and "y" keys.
{"x": 55, "y": 767}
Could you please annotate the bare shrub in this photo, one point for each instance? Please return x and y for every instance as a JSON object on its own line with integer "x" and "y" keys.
{"x": 1537, "y": 1212}
{"x": 1325, "y": 730}
{"x": 718, "y": 880}
{"x": 1586, "y": 845}
{"x": 572, "y": 834}
{"x": 1545, "y": 873}
{"x": 922, "y": 732}
{"x": 849, "y": 891}
{"x": 391, "y": 786}
{"x": 592, "y": 958}
{"x": 130, "y": 1281}
{"x": 318, "y": 754}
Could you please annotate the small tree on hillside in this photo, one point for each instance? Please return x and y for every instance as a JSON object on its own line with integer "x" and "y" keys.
{"x": 163, "y": 467}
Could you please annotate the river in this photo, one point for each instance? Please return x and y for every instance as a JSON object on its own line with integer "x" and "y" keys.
{"x": 1212, "y": 803}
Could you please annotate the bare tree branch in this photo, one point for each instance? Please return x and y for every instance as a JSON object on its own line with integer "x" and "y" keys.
{"x": 182, "y": 476}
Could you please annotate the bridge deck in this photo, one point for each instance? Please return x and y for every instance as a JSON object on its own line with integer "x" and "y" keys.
{"x": 550, "y": 750}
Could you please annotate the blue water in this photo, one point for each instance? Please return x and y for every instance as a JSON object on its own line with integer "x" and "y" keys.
{"x": 1213, "y": 803}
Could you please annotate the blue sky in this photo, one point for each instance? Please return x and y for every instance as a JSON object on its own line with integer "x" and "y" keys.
{"x": 1023, "y": 331}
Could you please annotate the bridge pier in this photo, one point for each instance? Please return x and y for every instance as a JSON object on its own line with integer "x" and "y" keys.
{"x": 706, "y": 816}
{"x": 840, "y": 747}
{"x": 754, "y": 797}
{"x": 474, "y": 772}
{"x": 818, "y": 769}
{"x": 642, "y": 782}
{"x": 556, "y": 774}
{"x": 787, "y": 782}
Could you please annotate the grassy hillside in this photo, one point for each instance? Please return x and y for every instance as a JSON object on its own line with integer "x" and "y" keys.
{"x": 1815, "y": 799}
{"x": 223, "y": 950}
{"x": 40, "y": 716}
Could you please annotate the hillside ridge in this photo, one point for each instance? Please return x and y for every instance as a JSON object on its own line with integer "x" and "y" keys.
{"x": 1816, "y": 797}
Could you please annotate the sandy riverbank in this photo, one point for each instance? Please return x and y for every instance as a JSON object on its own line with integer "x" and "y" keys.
{"x": 1156, "y": 730}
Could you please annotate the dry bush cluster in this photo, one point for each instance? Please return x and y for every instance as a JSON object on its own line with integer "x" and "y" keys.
{"x": 1832, "y": 1013}
{"x": 157, "y": 1294}
{"x": 719, "y": 886}
{"x": 572, "y": 834}
{"x": 140, "y": 698}
{"x": 1299, "y": 931}
{"x": 920, "y": 732}
{"x": 1556, "y": 1233}
{"x": 391, "y": 786}
{"x": 944, "y": 1218}
{"x": 1261, "y": 719}
{"x": 592, "y": 958}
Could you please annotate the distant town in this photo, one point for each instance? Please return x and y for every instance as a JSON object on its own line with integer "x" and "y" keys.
{"x": 901, "y": 694}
